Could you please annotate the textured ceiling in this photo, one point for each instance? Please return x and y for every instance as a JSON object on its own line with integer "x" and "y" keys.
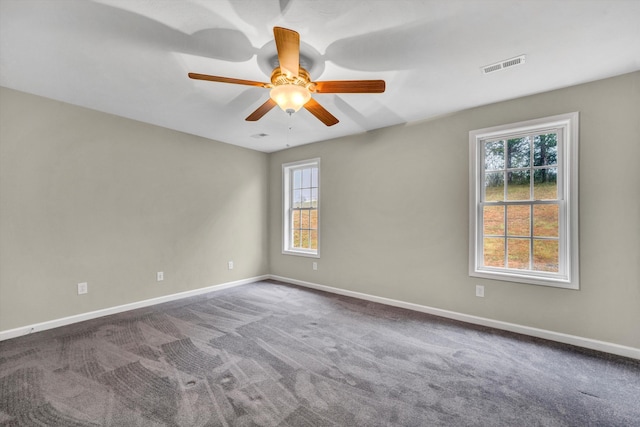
{"x": 131, "y": 57}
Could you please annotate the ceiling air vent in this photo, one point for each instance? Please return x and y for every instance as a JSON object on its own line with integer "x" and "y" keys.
{"x": 507, "y": 63}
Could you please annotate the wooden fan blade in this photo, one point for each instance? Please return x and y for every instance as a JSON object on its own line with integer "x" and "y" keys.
{"x": 288, "y": 46}
{"x": 261, "y": 111}
{"x": 197, "y": 76}
{"x": 350, "y": 86}
{"x": 320, "y": 112}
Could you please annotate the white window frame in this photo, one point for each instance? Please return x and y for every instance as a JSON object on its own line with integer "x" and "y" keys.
{"x": 287, "y": 177}
{"x": 568, "y": 275}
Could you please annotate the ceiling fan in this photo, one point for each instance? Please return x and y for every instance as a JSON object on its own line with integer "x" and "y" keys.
{"x": 291, "y": 86}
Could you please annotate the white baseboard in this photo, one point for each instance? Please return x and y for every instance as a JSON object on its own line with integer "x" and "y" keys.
{"x": 604, "y": 346}
{"x": 589, "y": 343}
{"x": 24, "y": 330}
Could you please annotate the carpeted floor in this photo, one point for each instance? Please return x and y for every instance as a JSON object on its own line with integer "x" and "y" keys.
{"x": 270, "y": 354}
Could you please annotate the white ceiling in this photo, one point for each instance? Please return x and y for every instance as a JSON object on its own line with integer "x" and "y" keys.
{"x": 131, "y": 57}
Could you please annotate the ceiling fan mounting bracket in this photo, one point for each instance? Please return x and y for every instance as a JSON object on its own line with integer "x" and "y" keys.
{"x": 310, "y": 59}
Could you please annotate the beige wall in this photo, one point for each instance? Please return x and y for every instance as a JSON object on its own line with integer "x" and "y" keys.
{"x": 394, "y": 215}
{"x": 90, "y": 197}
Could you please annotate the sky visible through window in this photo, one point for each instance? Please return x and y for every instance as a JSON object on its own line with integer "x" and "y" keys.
{"x": 305, "y": 187}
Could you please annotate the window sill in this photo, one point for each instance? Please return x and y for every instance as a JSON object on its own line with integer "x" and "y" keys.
{"x": 527, "y": 279}
{"x": 301, "y": 253}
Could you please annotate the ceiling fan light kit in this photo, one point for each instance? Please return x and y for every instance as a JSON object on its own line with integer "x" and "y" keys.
{"x": 290, "y": 98}
{"x": 291, "y": 86}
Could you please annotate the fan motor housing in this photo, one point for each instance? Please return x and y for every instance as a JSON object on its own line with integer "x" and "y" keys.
{"x": 278, "y": 77}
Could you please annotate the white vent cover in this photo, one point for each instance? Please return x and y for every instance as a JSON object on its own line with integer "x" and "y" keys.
{"x": 507, "y": 63}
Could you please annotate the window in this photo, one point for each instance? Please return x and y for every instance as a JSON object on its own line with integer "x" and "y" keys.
{"x": 524, "y": 202}
{"x": 301, "y": 207}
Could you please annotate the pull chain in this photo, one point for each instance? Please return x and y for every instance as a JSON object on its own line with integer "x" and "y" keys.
{"x": 288, "y": 129}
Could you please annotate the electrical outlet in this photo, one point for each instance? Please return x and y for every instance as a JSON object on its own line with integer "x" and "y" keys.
{"x": 315, "y": 265}
{"x": 160, "y": 276}
{"x": 480, "y": 291}
{"x": 83, "y": 288}
{"x": 230, "y": 264}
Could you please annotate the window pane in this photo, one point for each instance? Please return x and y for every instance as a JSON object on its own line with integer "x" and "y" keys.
{"x": 494, "y": 155}
{"x": 304, "y": 218}
{"x": 493, "y": 217}
{"x": 545, "y": 184}
{"x": 545, "y": 149}
{"x": 314, "y": 219}
{"x": 314, "y": 239}
{"x": 306, "y": 197}
{"x": 545, "y": 220}
{"x": 518, "y": 185}
{"x": 306, "y": 178}
{"x": 518, "y": 220}
{"x": 297, "y": 198}
{"x": 518, "y": 152}
{"x": 304, "y": 239}
{"x": 494, "y": 187}
{"x": 314, "y": 177}
{"x": 296, "y": 239}
{"x": 314, "y": 197}
{"x": 518, "y": 253}
{"x": 296, "y": 219}
{"x": 297, "y": 179}
{"x": 545, "y": 255}
{"x": 494, "y": 252}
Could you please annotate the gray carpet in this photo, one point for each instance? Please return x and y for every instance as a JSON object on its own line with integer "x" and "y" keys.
{"x": 271, "y": 354}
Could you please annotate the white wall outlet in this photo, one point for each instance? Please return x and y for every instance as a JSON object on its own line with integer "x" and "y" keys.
{"x": 480, "y": 291}
{"x": 315, "y": 265}
{"x": 83, "y": 288}
{"x": 230, "y": 264}
{"x": 160, "y": 276}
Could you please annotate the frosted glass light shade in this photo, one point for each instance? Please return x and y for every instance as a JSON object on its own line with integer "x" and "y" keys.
{"x": 290, "y": 97}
